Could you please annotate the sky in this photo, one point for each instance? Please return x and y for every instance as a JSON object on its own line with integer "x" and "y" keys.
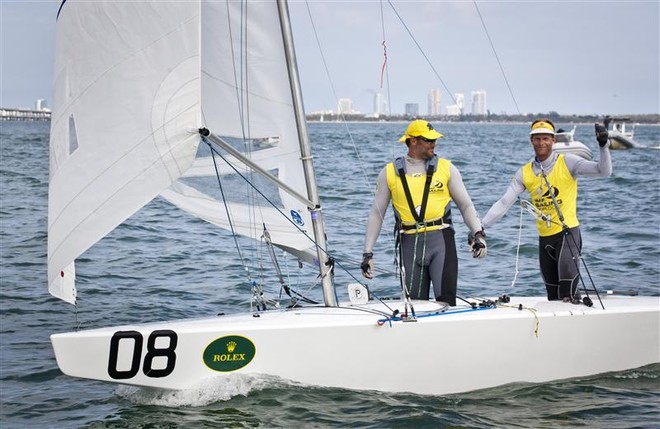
{"x": 571, "y": 57}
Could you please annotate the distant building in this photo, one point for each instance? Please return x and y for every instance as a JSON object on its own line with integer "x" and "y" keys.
{"x": 379, "y": 104}
{"x": 456, "y": 109}
{"x": 412, "y": 109}
{"x": 40, "y": 105}
{"x": 434, "y": 99}
{"x": 344, "y": 106}
{"x": 479, "y": 102}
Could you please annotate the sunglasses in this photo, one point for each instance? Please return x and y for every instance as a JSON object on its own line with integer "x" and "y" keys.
{"x": 425, "y": 139}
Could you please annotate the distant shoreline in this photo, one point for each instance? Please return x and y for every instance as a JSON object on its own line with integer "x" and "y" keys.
{"x": 645, "y": 119}
{"x": 403, "y": 121}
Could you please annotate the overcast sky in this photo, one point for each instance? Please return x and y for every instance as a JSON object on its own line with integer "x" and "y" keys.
{"x": 583, "y": 57}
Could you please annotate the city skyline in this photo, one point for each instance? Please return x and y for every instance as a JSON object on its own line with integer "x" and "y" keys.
{"x": 606, "y": 65}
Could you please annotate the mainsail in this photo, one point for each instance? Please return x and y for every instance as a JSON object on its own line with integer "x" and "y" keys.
{"x": 134, "y": 83}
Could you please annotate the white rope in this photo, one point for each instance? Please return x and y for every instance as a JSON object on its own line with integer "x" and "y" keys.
{"x": 520, "y": 225}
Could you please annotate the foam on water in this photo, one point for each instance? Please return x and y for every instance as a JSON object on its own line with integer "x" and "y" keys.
{"x": 213, "y": 390}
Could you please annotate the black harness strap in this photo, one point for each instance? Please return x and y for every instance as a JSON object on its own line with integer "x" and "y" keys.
{"x": 406, "y": 190}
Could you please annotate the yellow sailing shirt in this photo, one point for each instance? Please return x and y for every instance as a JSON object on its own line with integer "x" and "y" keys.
{"x": 564, "y": 187}
{"x": 438, "y": 198}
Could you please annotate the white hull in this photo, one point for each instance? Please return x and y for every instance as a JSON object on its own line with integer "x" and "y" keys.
{"x": 344, "y": 347}
{"x": 566, "y": 143}
{"x": 575, "y": 148}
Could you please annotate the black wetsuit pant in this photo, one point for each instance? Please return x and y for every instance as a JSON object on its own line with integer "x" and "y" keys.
{"x": 559, "y": 258}
{"x": 430, "y": 257}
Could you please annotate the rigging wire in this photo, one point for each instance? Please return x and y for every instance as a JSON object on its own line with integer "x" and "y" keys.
{"x": 257, "y": 290}
{"x": 362, "y": 167}
{"x": 228, "y": 211}
{"x": 336, "y": 97}
{"x": 241, "y": 84}
{"x": 278, "y": 209}
{"x": 496, "y": 56}
{"x": 421, "y": 50}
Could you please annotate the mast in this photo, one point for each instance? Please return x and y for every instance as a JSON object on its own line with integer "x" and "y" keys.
{"x": 329, "y": 295}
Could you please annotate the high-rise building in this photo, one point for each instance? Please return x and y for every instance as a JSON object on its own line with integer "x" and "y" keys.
{"x": 40, "y": 104}
{"x": 344, "y": 106}
{"x": 456, "y": 109}
{"x": 479, "y": 102}
{"x": 412, "y": 109}
{"x": 379, "y": 104}
{"x": 434, "y": 99}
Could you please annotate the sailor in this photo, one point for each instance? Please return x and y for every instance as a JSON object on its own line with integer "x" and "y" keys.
{"x": 421, "y": 187}
{"x": 551, "y": 180}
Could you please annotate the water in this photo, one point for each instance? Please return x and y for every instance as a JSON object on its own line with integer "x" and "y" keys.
{"x": 162, "y": 264}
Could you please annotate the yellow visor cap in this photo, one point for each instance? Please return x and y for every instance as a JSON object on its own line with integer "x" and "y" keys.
{"x": 542, "y": 127}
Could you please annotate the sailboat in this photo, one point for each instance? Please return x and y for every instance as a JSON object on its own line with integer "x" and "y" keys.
{"x": 189, "y": 92}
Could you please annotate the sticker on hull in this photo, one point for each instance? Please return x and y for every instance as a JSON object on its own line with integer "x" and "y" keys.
{"x": 229, "y": 353}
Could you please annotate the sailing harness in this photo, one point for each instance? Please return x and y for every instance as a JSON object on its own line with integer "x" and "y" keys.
{"x": 418, "y": 216}
{"x": 567, "y": 233}
{"x": 400, "y": 168}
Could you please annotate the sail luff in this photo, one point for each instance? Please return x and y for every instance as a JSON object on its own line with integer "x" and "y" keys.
{"x": 329, "y": 293}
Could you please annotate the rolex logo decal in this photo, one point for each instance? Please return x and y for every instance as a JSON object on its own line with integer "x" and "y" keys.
{"x": 229, "y": 353}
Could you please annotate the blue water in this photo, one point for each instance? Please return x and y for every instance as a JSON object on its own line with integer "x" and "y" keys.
{"x": 161, "y": 264}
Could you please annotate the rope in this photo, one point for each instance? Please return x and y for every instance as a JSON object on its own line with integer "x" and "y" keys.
{"x": 391, "y": 319}
{"x": 520, "y": 227}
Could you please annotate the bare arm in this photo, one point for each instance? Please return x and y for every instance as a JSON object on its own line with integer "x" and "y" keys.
{"x": 462, "y": 199}
{"x": 377, "y": 212}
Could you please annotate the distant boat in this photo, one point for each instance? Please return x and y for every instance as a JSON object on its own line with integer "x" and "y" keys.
{"x": 620, "y": 138}
{"x": 566, "y": 143}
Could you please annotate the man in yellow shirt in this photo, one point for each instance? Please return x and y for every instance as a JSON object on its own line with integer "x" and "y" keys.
{"x": 551, "y": 180}
{"x": 421, "y": 187}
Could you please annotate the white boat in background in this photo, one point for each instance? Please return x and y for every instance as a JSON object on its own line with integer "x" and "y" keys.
{"x": 167, "y": 111}
{"x": 566, "y": 143}
{"x": 620, "y": 137}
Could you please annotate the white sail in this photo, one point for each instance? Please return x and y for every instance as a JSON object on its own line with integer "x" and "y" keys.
{"x": 247, "y": 100}
{"x": 123, "y": 111}
{"x": 125, "y": 122}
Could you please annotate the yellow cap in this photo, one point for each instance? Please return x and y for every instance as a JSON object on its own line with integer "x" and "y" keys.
{"x": 542, "y": 126}
{"x": 421, "y": 128}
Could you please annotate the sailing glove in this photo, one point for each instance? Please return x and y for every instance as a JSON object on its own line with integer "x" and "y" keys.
{"x": 477, "y": 243}
{"x": 601, "y": 134}
{"x": 367, "y": 265}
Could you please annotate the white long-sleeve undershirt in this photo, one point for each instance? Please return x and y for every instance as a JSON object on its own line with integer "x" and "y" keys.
{"x": 457, "y": 192}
